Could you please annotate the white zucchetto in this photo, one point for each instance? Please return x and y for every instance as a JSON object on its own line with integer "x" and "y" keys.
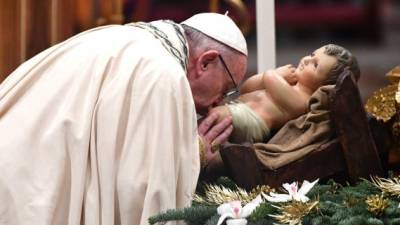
{"x": 219, "y": 27}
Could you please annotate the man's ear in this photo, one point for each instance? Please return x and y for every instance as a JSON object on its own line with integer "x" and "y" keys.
{"x": 205, "y": 60}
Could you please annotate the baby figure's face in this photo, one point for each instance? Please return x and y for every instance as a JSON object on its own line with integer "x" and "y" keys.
{"x": 313, "y": 69}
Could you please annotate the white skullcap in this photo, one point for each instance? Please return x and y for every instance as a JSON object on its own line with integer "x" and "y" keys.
{"x": 219, "y": 27}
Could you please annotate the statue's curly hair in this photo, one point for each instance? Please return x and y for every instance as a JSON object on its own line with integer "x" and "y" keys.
{"x": 345, "y": 61}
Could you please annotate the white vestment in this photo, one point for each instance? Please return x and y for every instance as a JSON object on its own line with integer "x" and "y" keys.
{"x": 99, "y": 129}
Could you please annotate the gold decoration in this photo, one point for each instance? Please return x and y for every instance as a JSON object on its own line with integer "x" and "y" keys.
{"x": 390, "y": 187}
{"x": 293, "y": 212}
{"x": 202, "y": 152}
{"x": 382, "y": 105}
{"x": 377, "y": 204}
{"x": 394, "y": 75}
{"x": 217, "y": 195}
{"x": 397, "y": 96}
{"x": 260, "y": 189}
{"x": 214, "y": 147}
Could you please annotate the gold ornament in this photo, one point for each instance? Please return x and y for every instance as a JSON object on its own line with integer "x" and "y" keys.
{"x": 377, "y": 204}
{"x": 294, "y": 212}
{"x": 217, "y": 195}
{"x": 214, "y": 147}
{"x": 389, "y": 186}
{"x": 382, "y": 105}
{"x": 394, "y": 75}
{"x": 397, "y": 96}
{"x": 202, "y": 152}
{"x": 260, "y": 189}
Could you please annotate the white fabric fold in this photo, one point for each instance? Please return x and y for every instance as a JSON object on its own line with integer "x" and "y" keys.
{"x": 99, "y": 129}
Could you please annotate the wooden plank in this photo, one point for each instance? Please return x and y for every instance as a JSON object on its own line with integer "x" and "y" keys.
{"x": 245, "y": 169}
{"x": 10, "y": 48}
{"x": 85, "y": 14}
{"x": 38, "y": 28}
{"x": 64, "y": 14}
{"x": 324, "y": 162}
{"x": 352, "y": 128}
{"x": 242, "y": 165}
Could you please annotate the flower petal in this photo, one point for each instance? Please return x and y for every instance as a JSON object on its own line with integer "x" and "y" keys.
{"x": 300, "y": 198}
{"x": 277, "y": 197}
{"x": 223, "y": 217}
{"x": 257, "y": 200}
{"x": 286, "y": 186}
{"x": 236, "y": 222}
{"x": 251, "y": 206}
{"x": 306, "y": 187}
{"x": 224, "y": 208}
{"x": 290, "y": 188}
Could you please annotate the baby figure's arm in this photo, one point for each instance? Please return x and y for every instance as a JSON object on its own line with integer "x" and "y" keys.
{"x": 255, "y": 82}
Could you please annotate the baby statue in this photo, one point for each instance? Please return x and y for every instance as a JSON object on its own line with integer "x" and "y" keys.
{"x": 268, "y": 100}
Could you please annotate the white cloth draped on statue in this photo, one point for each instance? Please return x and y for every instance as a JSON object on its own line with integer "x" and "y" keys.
{"x": 99, "y": 129}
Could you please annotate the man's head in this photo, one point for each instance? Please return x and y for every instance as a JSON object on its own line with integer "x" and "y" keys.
{"x": 324, "y": 66}
{"x": 217, "y": 58}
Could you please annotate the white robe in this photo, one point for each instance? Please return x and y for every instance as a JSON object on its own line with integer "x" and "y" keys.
{"x": 99, "y": 129}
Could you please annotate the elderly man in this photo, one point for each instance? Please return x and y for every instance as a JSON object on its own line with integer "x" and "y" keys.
{"x": 102, "y": 128}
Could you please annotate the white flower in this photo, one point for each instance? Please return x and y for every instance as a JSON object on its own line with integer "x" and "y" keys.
{"x": 293, "y": 192}
{"x": 235, "y": 210}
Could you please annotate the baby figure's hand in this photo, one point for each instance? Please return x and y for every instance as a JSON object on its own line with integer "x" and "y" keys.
{"x": 288, "y": 73}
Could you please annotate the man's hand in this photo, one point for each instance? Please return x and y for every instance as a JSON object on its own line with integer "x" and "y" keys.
{"x": 214, "y": 133}
{"x": 288, "y": 73}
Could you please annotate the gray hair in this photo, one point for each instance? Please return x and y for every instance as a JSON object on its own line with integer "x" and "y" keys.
{"x": 345, "y": 60}
{"x": 199, "y": 42}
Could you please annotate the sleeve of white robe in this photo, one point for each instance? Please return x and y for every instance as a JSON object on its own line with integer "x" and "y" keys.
{"x": 143, "y": 142}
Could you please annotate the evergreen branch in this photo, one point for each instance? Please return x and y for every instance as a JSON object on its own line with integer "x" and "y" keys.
{"x": 343, "y": 205}
{"x": 193, "y": 215}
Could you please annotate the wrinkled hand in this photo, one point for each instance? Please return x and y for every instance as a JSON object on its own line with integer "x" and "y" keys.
{"x": 214, "y": 133}
{"x": 288, "y": 73}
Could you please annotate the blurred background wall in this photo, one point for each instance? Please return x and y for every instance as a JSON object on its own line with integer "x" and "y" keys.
{"x": 368, "y": 28}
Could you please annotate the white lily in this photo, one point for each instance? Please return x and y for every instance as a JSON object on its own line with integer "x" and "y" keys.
{"x": 293, "y": 192}
{"x": 235, "y": 211}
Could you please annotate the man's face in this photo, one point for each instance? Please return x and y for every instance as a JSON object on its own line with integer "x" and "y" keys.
{"x": 313, "y": 69}
{"x": 214, "y": 81}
